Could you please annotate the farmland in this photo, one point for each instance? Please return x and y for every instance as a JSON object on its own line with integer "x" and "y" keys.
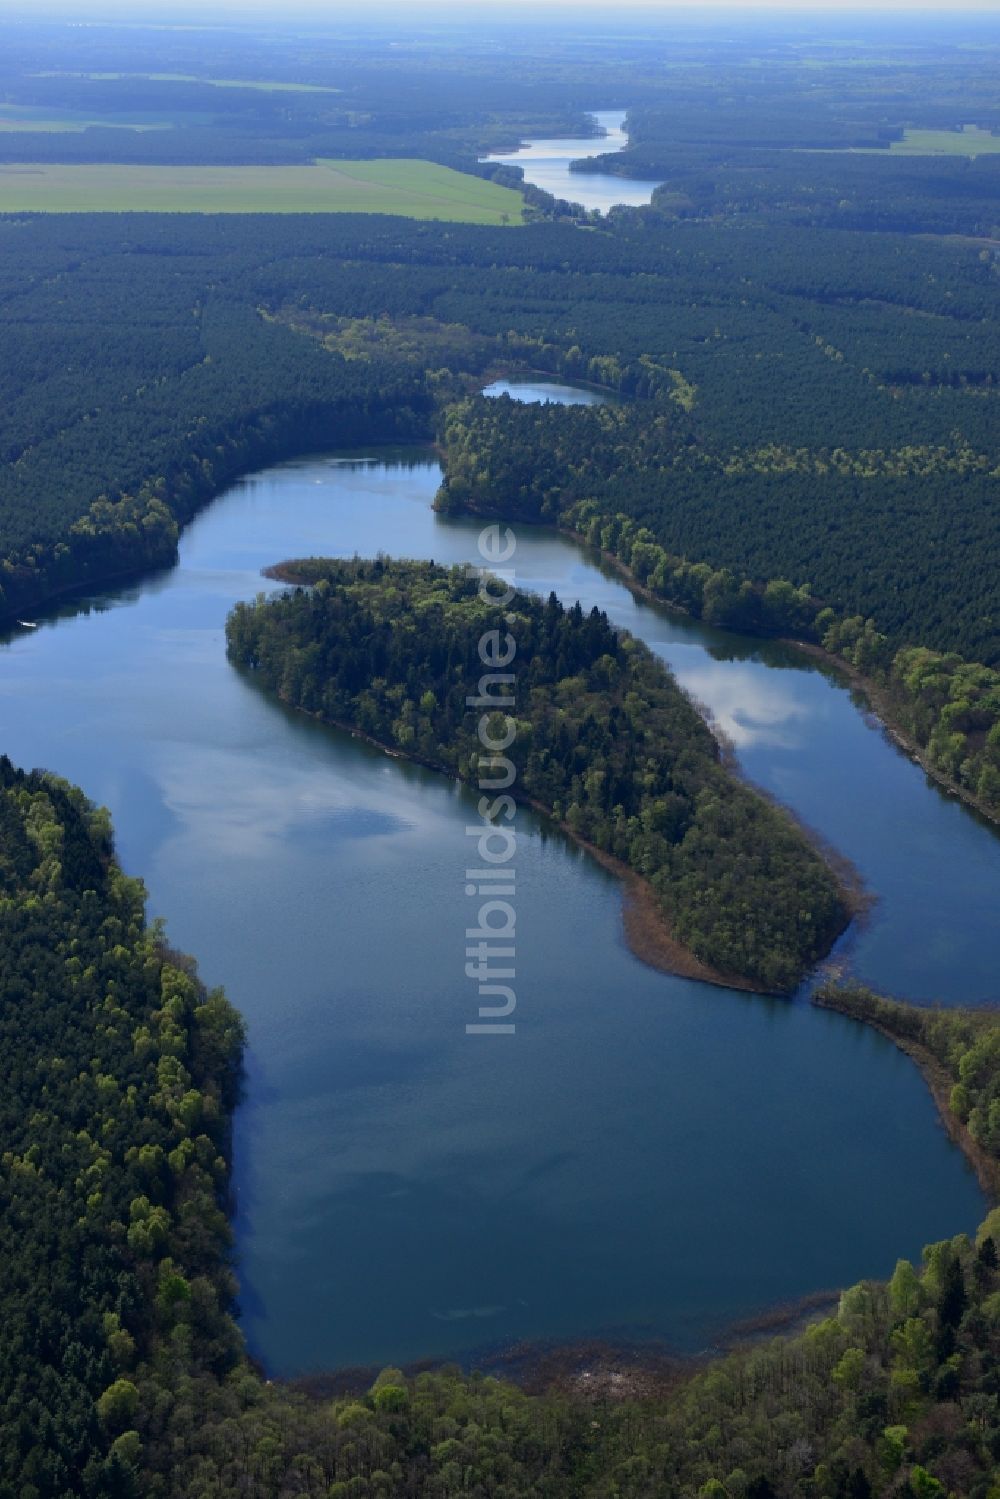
{"x": 412, "y": 188}
{"x": 971, "y": 141}
{"x": 270, "y": 86}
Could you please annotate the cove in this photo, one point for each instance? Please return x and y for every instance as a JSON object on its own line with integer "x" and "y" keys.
{"x": 546, "y": 165}
{"x": 646, "y": 1154}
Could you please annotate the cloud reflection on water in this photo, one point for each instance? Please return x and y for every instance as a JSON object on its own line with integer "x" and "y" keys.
{"x": 750, "y": 707}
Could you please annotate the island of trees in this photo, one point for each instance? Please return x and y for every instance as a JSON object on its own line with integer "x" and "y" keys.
{"x": 606, "y": 742}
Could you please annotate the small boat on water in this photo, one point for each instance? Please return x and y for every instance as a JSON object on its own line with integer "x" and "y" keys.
{"x": 26, "y": 624}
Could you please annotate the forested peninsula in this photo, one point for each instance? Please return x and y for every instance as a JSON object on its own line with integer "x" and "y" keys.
{"x": 123, "y": 1374}
{"x": 606, "y": 743}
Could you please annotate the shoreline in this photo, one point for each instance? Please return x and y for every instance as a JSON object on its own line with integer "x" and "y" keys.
{"x": 645, "y": 926}
{"x": 877, "y": 701}
{"x": 646, "y": 929}
{"x": 594, "y": 1366}
{"x": 10, "y": 616}
{"x": 857, "y": 899}
{"x": 100, "y": 580}
{"x": 939, "y": 1085}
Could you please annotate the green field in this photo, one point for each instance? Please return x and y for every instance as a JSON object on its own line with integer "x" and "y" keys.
{"x": 268, "y": 85}
{"x": 415, "y": 189}
{"x": 970, "y": 141}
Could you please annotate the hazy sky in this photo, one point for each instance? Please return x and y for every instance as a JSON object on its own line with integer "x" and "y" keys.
{"x": 417, "y": 16}
{"x": 469, "y": 10}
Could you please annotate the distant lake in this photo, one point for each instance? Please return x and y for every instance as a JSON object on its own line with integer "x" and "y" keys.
{"x": 546, "y": 165}
{"x": 539, "y": 392}
{"x": 646, "y": 1153}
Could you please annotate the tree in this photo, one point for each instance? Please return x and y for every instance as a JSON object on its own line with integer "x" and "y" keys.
{"x": 118, "y": 1404}
{"x": 905, "y": 1292}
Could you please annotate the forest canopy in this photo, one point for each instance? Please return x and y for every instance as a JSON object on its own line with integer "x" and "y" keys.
{"x": 605, "y": 741}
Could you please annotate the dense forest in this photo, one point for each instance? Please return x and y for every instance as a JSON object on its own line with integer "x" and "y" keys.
{"x": 800, "y": 402}
{"x": 120, "y": 1074}
{"x": 796, "y": 347}
{"x": 605, "y": 741}
{"x": 802, "y": 332}
{"x": 122, "y": 1372}
{"x": 183, "y": 398}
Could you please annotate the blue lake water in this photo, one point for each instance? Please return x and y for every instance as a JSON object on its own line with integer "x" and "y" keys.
{"x": 546, "y": 165}
{"x": 542, "y": 392}
{"x": 646, "y": 1153}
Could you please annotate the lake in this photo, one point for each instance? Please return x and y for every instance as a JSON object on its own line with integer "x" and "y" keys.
{"x": 542, "y": 392}
{"x": 546, "y": 165}
{"x": 646, "y": 1154}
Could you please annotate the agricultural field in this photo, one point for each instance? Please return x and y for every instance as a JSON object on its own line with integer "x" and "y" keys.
{"x": 969, "y": 141}
{"x": 415, "y": 189}
{"x": 269, "y": 86}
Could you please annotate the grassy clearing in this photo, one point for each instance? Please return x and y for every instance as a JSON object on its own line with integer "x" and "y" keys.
{"x": 268, "y": 85}
{"x": 415, "y": 189}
